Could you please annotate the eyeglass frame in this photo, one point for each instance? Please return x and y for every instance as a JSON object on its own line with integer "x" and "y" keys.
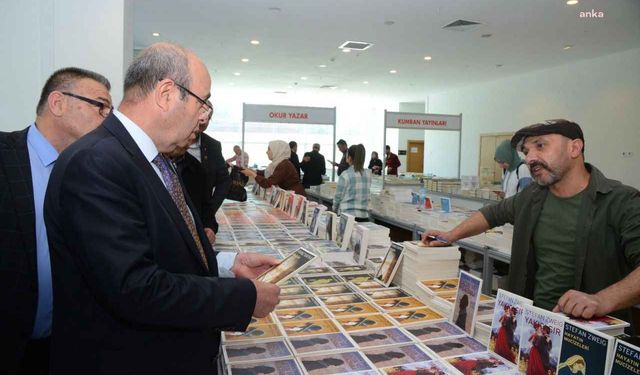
{"x": 101, "y": 106}
{"x": 202, "y": 101}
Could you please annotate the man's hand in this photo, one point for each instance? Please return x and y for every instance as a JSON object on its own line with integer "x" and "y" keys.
{"x": 333, "y": 163}
{"x": 211, "y": 235}
{"x": 267, "y": 297}
{"x": 248, "y": 172}
{"x": 582, "y": 305}
{"x": 252, "y": 265}
{"x": 434, "y": 238}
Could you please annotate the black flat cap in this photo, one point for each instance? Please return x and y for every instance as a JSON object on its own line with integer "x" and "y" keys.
{"x": 563, "y": 127}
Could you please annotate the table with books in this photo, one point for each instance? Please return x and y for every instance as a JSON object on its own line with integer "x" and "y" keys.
{"x": 337, "y": 316}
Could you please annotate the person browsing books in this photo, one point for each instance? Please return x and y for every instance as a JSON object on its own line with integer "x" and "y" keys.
{"x": 280, "y": 171}
{"x": 352, "y": 190}
{"x": 576, "y": 237}
{"x": 516, "y": 175}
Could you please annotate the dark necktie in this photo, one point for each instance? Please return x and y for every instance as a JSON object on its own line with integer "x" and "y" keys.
{"x": 175, "y": 190}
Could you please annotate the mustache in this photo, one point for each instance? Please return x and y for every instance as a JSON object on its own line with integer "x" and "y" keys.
{"x": 538, "y": 163}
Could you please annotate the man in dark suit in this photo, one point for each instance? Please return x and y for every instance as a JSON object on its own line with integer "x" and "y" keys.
{"x": 72, "y": 103}
{"x": 343, "y": 165}
{"x": 136, "y": 285}
{"x": 205, "y": 175}
{"x": 293, "y": 145}
{"x": 313, "y": 166}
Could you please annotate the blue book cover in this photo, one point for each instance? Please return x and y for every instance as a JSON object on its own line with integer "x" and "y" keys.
{"x": 583, "y": 350}
{"x": 626, "y": 359}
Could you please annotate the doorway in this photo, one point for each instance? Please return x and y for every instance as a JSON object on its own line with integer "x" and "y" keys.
{"x": 415, "y": 156}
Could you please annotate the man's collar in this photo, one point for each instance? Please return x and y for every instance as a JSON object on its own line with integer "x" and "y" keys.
{"x": 144, "y": 142}
{"x": 43, "y": 148}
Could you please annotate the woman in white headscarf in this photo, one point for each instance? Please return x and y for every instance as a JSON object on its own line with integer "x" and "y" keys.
{"x": 280, "y": 172}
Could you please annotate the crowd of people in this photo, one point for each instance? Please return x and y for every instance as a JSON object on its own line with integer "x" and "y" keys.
{"x": 108, "y": 221}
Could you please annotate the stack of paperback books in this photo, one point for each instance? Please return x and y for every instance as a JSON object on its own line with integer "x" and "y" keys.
{"x": 379, "y": 241}
{"x": 422, "y": 263}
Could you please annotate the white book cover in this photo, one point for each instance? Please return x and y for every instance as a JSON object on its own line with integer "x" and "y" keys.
{"x": 540, "y": 341}
{"x": 315, "y": 219}
{"x": 299, "y": 202}
{"x": 506, "y": 325}
{"x": 626, "y": 359}
{"x": 465, "y": 308}
{"x": 390, "y": 264}
{"x": 345, "y": 228}
{"x": 584, "y": 349}
{"x": 327, "y": 227}
{"x": 359, "y": 243}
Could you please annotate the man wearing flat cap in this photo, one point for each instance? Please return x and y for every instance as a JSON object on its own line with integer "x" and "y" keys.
{"x": 576, "y": 237}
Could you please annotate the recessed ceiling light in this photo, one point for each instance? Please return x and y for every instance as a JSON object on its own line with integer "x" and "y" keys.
{"x": 389, "y": 23}
{"x": 155, "y": 34}
{"x": 303, "y": 78}
{"x": 275, "y": 9}
{"x": 346, "y": 50}
{"x": 322, "y": 66}
{"x": 255, "y": 42}
{"x": 568, "y": 46}
{"x": 236, "y": 73}
{"x": 498, "y": 65}
{"x": 485, "y": 35}
{"x": 333, "y": 87}
{"x": 393, "y": 71}
{"x": 427, "y": 58}
{"x": 365, "y": 82}
{"x": 572, "y": 2}
{"x": 245, "y": 60}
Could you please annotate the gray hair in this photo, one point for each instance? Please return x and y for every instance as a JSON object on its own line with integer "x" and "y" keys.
{"x": 155, "y": 63}
{"x": 64, "y": 79}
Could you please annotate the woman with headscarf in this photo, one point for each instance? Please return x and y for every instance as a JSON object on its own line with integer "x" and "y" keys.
{"x": 516, "y": 175}
{"x": 280, "y": 171}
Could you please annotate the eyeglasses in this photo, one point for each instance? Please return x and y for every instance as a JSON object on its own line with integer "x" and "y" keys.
{"x": 103, "y": 109}
{"x": 205, "y": 106}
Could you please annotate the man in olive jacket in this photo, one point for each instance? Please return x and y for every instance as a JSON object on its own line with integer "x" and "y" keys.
{"x": 576, "y": 237}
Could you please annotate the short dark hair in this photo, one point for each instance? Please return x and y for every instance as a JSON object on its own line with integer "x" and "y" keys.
{"x": 341, "y": 142}
{"x": 387, "y": 147}
{"x": 293, "y": 144}
{"x": 64, "y": 79}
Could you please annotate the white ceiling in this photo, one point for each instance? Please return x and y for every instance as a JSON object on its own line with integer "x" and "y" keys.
{"x": 301, "y": 34}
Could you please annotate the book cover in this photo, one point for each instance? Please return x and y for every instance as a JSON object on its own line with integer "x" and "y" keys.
{"x": 309, "y": 327}
{"x": 455, "y": 346}
{"x": 436, "y": 330}
{"x": 364, "y": 322}
{"x": 345, "y": 228}
{"x": 256, "y": 332}
{"x": 369, "y": 284}
{"x": 396, "y": 304}
{"x": 626, "y": 359}
{"x": 323, "y": 290}
{"x": 321, "y": 343}
{"x": 351, "y": 269}
{"x": 336, "y": 363}
{"x": 445, "y": 204}
{"x": 273, "y": 349}
{"x": 315, "y": 219}
{"x": 292, "y": 264}
{"x": 297, "y": 303}
{"x": 376, "y": 294}
{"x": 506, "y": 325}
{"x": 350, "y": 309}
{"x": 294, "y": 291}
{"x": 341, "y": 299}
{"x": 420, "y": 368}
{"x": 436, "y": 286}
{"x": 359, "y": 243}
{"x": 380, "y": 337}
{"x": 540, "y": 341}
{"x": 322, "y": 280}
{"x": 266, "y": 320}
{"x": 407, "y": 317}
{"x": 289, "y": 315}
{"x": 465, "y": 308}
{"x": 482, "y": 363}
{"x": 280, "y": 367}
{"x": 390, "y": 264}
{"x": 584, "y": 349}
{"x": 386, "y": 356}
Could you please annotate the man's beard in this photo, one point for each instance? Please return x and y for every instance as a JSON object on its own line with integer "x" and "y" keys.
{"x": 554, "y": 175}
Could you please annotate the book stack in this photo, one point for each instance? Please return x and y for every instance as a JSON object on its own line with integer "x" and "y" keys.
{"x": 379, "y": 240}
{"x": 422, "y": 263}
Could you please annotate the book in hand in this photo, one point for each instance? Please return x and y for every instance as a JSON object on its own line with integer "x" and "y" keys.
{"x": 540, "y": 341}
{"x": 626, "y": 359}
{"x": 288, "y": 267}
{"x": 584, "y": 349}
{"x": 506, "y": 325}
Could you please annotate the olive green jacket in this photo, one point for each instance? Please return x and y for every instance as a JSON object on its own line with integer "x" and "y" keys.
{"x": 607, "y": 241}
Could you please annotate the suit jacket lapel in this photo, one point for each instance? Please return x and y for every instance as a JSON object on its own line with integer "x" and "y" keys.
{"x": 19, "y": 178}
{"x": 117, "y": 129}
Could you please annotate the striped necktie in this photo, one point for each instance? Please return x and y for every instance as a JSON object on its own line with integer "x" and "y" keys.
{"x": 175, "y": 190}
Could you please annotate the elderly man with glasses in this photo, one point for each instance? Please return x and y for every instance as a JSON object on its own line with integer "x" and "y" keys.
{"x": 72, "y": 103}
{"x": 136, "y": 280}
